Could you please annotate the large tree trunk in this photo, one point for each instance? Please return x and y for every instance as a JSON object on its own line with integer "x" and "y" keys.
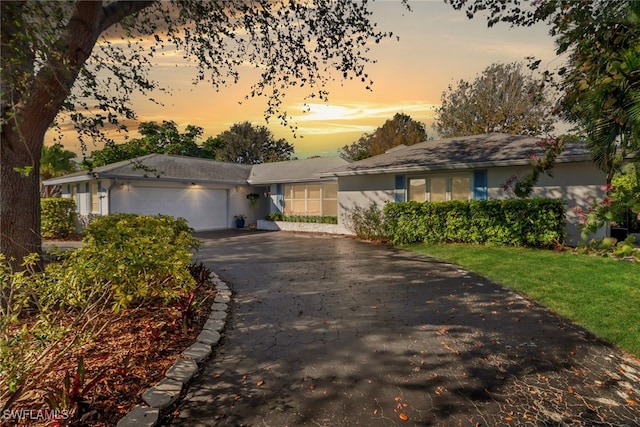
{"x": 31, "y": 102}
{"x": 19, "y": 193}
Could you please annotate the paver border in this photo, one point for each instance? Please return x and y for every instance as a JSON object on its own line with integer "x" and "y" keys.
{"x": 168, "y": 390}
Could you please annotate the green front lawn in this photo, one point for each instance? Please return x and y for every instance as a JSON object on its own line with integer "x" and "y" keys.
{"x": 600, "y": 294}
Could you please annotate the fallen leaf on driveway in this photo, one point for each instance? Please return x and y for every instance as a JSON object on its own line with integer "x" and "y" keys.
{"x": 403, "y": 417}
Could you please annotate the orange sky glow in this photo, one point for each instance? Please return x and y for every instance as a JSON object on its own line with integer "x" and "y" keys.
{"x": 438, "y": 46}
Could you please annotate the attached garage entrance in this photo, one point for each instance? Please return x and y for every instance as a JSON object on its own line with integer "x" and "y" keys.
{"x": 204, "y": 208}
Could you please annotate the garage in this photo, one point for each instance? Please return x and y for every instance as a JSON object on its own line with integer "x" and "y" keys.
{"x": 207, "y": 193}
{"x": 203, "y": 208}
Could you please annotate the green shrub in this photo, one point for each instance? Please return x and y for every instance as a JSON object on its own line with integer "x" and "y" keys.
{"x": 367, "y": 223}
{"x": 57, "y": 217}
{"x": 125, "y": 259}
{"x": 513, "y": 222}
{"x": 137, "y": 256}
{"x": 275, "y": 216}
{"x": 318, "y": 219}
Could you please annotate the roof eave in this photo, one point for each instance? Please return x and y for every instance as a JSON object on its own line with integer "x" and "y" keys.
{"x": 95, "y": 176}
{"x": 448, "y": 167}
{"x": 69, "y": 179}
{"x": 173, "y": 179}
{"x": 320, "y": 177}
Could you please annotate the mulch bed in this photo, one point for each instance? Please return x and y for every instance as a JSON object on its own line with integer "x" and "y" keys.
{"x": 131, "y": 355}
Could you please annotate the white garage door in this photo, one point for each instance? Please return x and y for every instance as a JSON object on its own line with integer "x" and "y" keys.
{"x": 205, "y": 209}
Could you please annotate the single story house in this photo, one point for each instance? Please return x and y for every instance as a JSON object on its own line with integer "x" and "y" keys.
{"x": 205, "y": 192}
{"x": 209, "y": 193}
{"x": 470, "y": 168}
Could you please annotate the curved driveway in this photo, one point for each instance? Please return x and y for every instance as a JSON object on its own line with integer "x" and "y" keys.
{"x": 331, "y": 331}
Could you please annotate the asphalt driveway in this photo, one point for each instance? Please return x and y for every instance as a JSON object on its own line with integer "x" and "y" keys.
{"x": 331, "y": 331}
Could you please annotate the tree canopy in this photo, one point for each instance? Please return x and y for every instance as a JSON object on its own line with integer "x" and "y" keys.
{"x": 156, "y": 138}
{"x": 242, "y": 143}
{"x": 249, "y": 144}
{"x": 401, "y": 129}
{"x": 504, "y": 98}
{"x": 55, "y": 161}
{"x": 83, "y": 60}
{"x": 600, "y": 82}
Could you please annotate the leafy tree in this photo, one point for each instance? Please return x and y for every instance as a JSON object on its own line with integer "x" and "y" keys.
{"x": 625, "y": 197}
{"x": 601, "y": 81}
{"x": 502, "y": 99}
{"x": 162, "y": 139}
{"x": 58, "y": 60}
{"x": 55, "y": 161}
{"x": 248, "y": 144}
{"x": 402, "y": 129}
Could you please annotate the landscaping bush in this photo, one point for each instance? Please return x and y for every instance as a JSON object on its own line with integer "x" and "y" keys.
{"x": 125, "y": 259}
{"x": 57, "y": 217}
{"x": 513, "y": 222}
{"x": 137, "y": 256}
{"x": 318, "y": 219}
{"x": 367, "y": 223}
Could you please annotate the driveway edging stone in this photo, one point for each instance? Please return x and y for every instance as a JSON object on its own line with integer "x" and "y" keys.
{"x": 168, "y": 390}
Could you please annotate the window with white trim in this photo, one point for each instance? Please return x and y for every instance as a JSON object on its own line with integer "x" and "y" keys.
{"x": 74, "y": 195}
{"x": 94, "y": 196}
{"x": 440, "y": 188}
{"x": 313, "y": 199}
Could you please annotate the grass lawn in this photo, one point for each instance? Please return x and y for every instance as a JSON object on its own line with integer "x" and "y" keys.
{"x": 600, "y": 294}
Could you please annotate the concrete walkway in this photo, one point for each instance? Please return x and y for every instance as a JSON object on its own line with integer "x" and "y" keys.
{"x": 330, "y": 331}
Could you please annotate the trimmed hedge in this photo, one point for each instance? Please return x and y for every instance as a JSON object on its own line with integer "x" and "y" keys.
{"x": 57, "y": 217}
{"x": 513, "y": 222}
{"x": 274, "y": 216}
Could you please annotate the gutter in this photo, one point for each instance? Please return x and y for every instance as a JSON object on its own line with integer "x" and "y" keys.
{"x": 320, "y": 177}
{"x": 94, "y": 175}
{"x": 446, "y": 167}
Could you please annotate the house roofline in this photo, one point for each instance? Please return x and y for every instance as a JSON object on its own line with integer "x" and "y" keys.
{"x": 321, "y": 177}
{"x": 90, "y": 176}
{"x": 70, "y": 179}
{"x": 448, "y": 167}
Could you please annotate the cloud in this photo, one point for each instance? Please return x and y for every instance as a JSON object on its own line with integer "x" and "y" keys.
{"x": 355, "y": 117}
{"x": 355, "y": 111}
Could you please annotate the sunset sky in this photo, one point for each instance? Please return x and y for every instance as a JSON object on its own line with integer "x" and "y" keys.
{"x": 438, "y": 46}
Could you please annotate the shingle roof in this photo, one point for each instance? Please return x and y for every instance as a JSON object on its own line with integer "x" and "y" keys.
{"x": 166, "y": 167}
{"x": 466, "y": 152}
{"x": 293, "y": 170}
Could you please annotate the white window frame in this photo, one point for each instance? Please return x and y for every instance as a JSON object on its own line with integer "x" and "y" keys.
{"x": 287, "y": 197}
{"x": 449, "y": 184}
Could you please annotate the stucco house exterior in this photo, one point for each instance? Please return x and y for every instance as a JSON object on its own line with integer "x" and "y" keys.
{"x": 205, "y": 192}
{"x": 469, "y": 168}
{"x": 209, "y": 193}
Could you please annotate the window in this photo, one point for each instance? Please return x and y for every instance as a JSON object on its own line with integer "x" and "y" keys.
{"x": 94, "y": 196}
{"x": 295, "y": 203}
{"x": 417, "y": 189}
{"x": 440, "y": 188}
{"x": 74, "y": 196}
{"x": 460, "y": 188}
{"x": 330, "y": 199}
{"x": 314, "y": 199}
